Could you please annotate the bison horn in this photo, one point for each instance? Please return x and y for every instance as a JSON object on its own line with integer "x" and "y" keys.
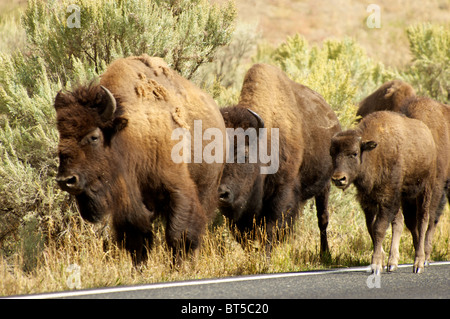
{"x": 111, "y": 105}
{"x": 258, "y": 118}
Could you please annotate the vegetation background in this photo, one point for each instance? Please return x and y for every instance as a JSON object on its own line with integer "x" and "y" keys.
{"x": 326, "y": 46}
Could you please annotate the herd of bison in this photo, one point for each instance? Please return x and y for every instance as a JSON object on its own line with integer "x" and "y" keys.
{"x": 116, "y": 144}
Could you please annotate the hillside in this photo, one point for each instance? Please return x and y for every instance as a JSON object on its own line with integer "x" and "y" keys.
{"x": 318, "y": 20}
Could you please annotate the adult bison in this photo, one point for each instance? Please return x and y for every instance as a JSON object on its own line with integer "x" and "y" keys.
{"x": 388, "y": 97}
{"x": 115, "y": 153}
{"x": 437, "y": 117}
{"x": 391, "y": 159}
{"x": 304, "y": 123}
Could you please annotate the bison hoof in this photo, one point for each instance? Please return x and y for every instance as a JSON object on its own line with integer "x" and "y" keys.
{"x": 392, "y": 268}
{"x": 418, "y": 270}
{"x": 376, "y": 269}
{"x": 427, "y": 263}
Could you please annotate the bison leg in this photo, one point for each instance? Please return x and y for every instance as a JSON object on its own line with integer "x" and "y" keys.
{"x": 323, "y": 218}
{"x": 409, "y": 208}
{"x": 134, "y": 230}
{"x": 379, "y": 231}
{"x": 135, "y": 241}
{"x": 370, "y": 212}
{"x": 280, "y": 211}
{"x": 435, "y": 213}
{"x": 185, "y": 223}
{"x": 423, "y": 207}
{"x": 384, "y": 218}
{"x": 394, "y": 254}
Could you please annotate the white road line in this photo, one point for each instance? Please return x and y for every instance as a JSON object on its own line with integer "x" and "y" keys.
{"x": 77, "y": 293}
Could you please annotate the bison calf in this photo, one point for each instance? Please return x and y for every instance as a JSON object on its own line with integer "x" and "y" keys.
{"x": 399, "y": 97}
{"x": 391, "y": 159}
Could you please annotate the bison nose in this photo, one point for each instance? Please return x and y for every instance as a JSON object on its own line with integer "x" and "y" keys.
{"x": 340, "y": 180}
{"x": 69, "y": 183}
{"x": 225, "y": 195}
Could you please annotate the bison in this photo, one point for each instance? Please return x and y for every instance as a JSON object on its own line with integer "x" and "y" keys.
{"x": 304, "y": 124}
{"x": 115, "y": 154}
{"x": 437, "y": 117}
{"x": 391, "y": 160}
{"x": 399, "y": 97}
{"x": 388, "y": 97}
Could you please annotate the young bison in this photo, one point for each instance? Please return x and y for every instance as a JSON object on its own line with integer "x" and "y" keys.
{"x": 391, "y": 159}
{"x": 305, "y": 124}
{"x": 399, "y": 97}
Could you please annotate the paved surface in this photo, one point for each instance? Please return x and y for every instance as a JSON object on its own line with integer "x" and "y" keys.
{"x": 340, "y": 283}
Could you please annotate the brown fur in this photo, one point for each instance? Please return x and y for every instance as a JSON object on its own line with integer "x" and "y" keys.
{"x": 388, "y": 97}
{"x": 437, "y": 117}
{"x": 391, "y": 159}
{"x": 399, "y": 97}
{"x": 124, "y": 165}
{"x": 306, "y": 124}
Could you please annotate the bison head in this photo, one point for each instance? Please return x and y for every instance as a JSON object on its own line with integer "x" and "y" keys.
{"x": 241, "y": 184}
{"x": 88, "y": 119}
{"x": 346, "y": 151}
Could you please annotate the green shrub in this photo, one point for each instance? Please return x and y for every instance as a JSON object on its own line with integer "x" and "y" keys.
{"x": 28, "y": 157}
{"x": 186, "y": 33}
{"x": 429, "y": 72}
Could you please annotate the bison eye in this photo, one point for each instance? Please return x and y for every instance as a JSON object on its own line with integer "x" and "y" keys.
{"x": 353, "y": 155}
{"x": 92, "y": 138}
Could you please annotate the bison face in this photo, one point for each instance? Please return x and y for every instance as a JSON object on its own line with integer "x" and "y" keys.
{"x": 87, "y": 166}
{"x": 75, "y": 155}
{"x": 240, "y": 189}
{"x": 241, "y": 184}
{"x": 346, "y": 152}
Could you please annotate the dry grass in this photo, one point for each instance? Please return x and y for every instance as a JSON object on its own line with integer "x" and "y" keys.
{"x": 103, "y": 264}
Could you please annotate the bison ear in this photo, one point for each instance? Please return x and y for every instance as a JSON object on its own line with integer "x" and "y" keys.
{"x": 119, "y": 123}
{"x": 368, "y": 145}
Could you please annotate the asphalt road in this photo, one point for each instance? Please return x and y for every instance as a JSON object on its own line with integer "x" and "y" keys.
{"x": 339, "y": 283}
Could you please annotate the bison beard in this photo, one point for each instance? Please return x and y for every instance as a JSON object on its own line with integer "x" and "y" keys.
{"x": 90, "y": 208}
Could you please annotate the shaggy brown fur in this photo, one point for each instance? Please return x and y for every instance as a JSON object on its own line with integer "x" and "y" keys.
{"x": 306, "y": 124}
{"x": 122, "y": 165}
{"x": 400, "y": 97}
{"x": 391, "y": 159}
{"x": 388, "y": 97}
{"x": 437, "y": 117}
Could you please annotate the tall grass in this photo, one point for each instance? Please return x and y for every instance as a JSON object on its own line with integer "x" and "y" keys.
{"x": 41, "y": 232}
{"x": 103, "y": 264}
